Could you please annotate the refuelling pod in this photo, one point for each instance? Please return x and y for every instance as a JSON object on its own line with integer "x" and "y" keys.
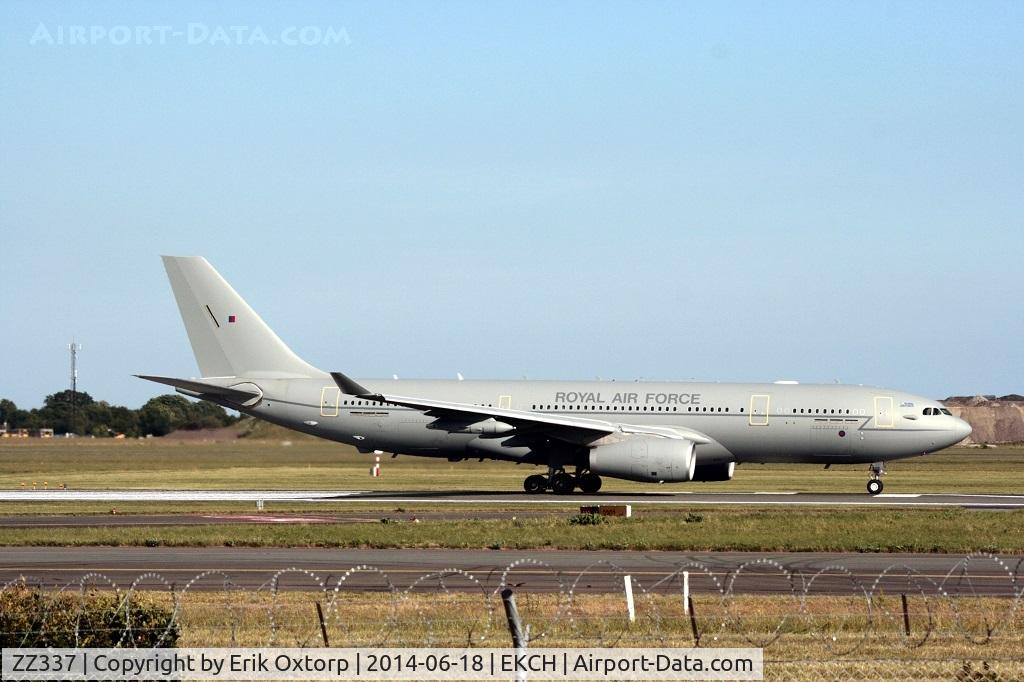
{"x": 721, "y": 471}
{"x": 508, "y": 448}
{"x": 645, "y": 458}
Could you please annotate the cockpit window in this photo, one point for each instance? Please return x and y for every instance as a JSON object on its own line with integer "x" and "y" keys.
{"x": 945, "y": 411}
{"x": 927, "y": 411}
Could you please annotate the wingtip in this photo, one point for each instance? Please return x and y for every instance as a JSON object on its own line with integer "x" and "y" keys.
{"x": 348, "y": 386}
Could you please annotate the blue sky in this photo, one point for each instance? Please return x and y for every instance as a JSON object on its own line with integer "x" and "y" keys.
{"x": 719, "y": 191}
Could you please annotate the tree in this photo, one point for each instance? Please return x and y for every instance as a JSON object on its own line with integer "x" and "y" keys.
{"x": 61, "y": 409}
{"x": 163, "y": 414}
{"x": 157, "y": 417}
{"x": 8, "y": 411}
{"x": 124, "y": 420}
{"x": 81, "y": 399}
{"x": 207, "y": 415}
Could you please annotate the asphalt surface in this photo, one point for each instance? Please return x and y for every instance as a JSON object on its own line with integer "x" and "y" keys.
{"x": 504, "y": 499}
{"x": 603, "y": 571}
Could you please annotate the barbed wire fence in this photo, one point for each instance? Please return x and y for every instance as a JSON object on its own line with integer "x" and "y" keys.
{"x": 827, "y": 623}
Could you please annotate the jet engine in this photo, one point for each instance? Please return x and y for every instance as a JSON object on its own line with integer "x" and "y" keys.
{"x": 645, "y": 458}
{"x": 721, "y": 471}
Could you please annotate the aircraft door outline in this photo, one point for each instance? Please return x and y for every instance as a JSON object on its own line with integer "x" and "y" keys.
{"x": 884, "y": 412}
{"x": 329, "y": 399}
{"x": 759, "y": 406}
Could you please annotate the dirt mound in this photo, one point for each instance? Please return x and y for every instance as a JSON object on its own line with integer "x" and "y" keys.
{"x": 994, "y": 420}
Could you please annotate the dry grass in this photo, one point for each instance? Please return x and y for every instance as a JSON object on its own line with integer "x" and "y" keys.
{"x": 321, "y": 465}
{"x": 862, "y": 530}
{"x": 821, "y": 637}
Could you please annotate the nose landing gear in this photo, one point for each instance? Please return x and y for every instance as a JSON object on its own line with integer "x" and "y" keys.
{"x": 875, "y": 482}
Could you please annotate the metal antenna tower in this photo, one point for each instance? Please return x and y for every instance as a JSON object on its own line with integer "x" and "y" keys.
{"x": 74, "y": 348}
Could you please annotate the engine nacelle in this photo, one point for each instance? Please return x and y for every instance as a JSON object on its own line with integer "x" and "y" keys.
{"x": 722, "y": 471}
{"x": 645, "y": 458}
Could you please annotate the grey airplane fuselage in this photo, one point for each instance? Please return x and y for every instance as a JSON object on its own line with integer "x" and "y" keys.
{"x": 778, "y": 422}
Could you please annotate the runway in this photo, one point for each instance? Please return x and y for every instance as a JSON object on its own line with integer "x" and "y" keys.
{"x": 505, "y": 499}
{"x": 558, "y": 570}
{"x": 261, "y": 518}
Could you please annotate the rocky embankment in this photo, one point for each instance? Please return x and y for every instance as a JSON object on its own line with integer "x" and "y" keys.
{"x": 995, "y": 420}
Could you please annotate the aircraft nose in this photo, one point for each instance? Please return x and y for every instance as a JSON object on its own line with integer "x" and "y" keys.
{"x": 962, "y": 429}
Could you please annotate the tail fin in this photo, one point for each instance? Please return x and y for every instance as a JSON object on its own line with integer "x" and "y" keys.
{"x": 228, "y": 338}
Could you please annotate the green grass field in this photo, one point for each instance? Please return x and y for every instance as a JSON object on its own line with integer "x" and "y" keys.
{"x": 306, "y": 464}
{"x": 320, "y": 465}
{"x": 860, "y": 530}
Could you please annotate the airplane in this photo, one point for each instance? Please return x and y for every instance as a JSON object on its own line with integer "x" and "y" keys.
{"x": 657, "y": 432}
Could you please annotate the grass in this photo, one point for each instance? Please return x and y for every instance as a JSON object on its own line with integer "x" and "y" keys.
{"x": 823, "y": 637}
{"x": 321, "y": 465}
{"x": 310, "y": 464}
{"x": 860, "y": 530}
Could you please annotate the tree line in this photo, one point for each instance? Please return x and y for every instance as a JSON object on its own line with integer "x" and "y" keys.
{"x": 80, "y": 414}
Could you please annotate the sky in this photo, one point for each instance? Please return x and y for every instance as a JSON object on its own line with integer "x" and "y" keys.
{"x": 812, "y": 191}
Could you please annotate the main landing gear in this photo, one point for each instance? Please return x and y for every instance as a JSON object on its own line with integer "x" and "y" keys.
{"x": 562, "y": 483}
{"x": 875, "y": 482}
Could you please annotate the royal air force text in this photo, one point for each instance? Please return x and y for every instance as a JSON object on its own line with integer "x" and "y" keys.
{"x": 600, "y": 398}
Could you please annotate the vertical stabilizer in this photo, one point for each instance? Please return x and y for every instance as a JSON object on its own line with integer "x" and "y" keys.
{"x": 227, "y": 336}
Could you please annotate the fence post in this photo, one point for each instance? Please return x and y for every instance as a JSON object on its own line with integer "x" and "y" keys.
{"x": 323, "y": 626}
{"x": 627, "y": 582}
{"x": 693, "y": 623}
{"x": 515, "y": 627}
{"x": 520, "y": 640}
{"x": 906, "y": 615}
{"x": 686, "y": 591}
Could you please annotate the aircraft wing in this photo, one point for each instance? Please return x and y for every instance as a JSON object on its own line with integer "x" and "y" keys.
{"x": 563, "y": 427}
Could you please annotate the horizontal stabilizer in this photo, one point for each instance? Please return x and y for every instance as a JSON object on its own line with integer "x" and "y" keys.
{"x": 202, "y": 388}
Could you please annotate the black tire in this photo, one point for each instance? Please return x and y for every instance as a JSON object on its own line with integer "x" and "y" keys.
{"x": 535, "y": 484}
{"x": 563, "y": 484}
{"x": 874, "y": 486}
{"x": 590, "y": 483}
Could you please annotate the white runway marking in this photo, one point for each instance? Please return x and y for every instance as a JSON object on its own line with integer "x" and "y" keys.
{"x": 169, "y": 495}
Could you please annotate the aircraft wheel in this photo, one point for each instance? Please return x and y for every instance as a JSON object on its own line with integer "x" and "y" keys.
{"x": 563, "y": 483}
{"x": 874, "y": 486}
{"x": 535, "y": 484}
{"x": 590, "y": 483}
